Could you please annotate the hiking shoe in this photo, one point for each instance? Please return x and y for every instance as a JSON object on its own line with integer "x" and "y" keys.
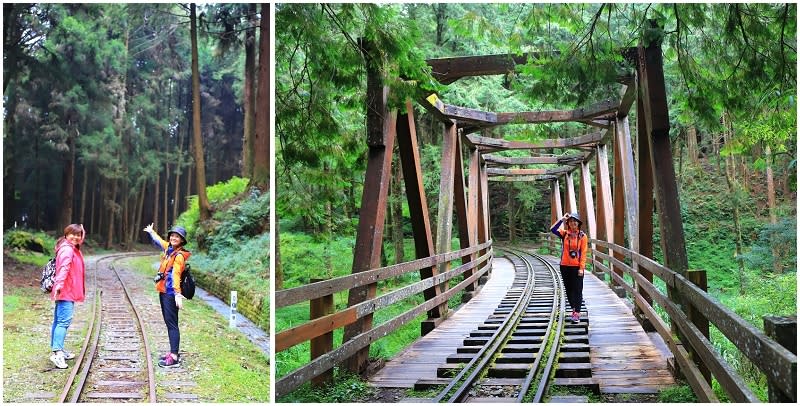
{"x": 169, "y": 361}
{"x": 58, "y": 360}
{"x": 576, "y": 317}
{"x": 68, "y": 355}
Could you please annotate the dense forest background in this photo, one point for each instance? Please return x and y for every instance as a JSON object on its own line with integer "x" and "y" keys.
{"x": 100, "y": 125}
{"x": 731, "y": 85}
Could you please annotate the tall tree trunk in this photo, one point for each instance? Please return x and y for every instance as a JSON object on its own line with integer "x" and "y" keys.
{"x": 249, "y": 94}
{"x": 156, "y": 194}
{"x": 92, "y": 212}
{"x": 112, "y": 209}
{"x": 396, "y": 211}
{"x": 202, "y": 197}
{"x": 85, "y": 180}
{"x": 440, "y": 9}
{"x": 166, "y": 194}
{"x": 691, "y": 143}
{"x": 735, "y": 191}
{"x": 278, "y": 265}
{"x": 260, "y": 177}
{"x": 137, "y": 225}
{"x": 67, "y": 181}
{"x": 512, "y": 223}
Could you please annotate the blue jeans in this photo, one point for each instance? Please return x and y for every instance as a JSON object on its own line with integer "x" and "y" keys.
{"x": 61, "y": 321}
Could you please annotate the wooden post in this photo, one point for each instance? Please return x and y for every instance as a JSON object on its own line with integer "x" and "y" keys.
{"x": 645, "y": 233}
{"x": 323, "y": 344}
{"x": 784, "y": 331}
{"x": 556, "y": 211}
{"x": 381, "y": 132}
{"x": 656, "y": 112}
{"x": 699, "y": 278}
{"x": 587, "y": 201}
{"x": 572, "y": 207}
{"x": 619, "y": 211}
{"x": 465, "y": 238}
{"x": 605, "y": 211}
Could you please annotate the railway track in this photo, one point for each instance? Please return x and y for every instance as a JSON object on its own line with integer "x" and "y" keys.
{"x": 510, "y": 357}
{"x": 114, "y": 363}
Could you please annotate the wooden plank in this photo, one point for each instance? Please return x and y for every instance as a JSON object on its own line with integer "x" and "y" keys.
{"x": 415, "y": 195}
{"x": 629, "y": 93}
{"x": 444, "y": 223}
{"x": 630, "y": 192}
{"x": 466, "y": 115}
{"x": 646, "y": 174}
{"x": 448, "y": 70}
{"x": 605, "y": 214}
{"x": 524, "y": 172}
{"x": 556, "y": 116}
{"x": 501, "y": 144}
{"x": 533, "y": 160}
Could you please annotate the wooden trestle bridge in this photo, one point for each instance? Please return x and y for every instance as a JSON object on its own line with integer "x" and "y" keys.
{"x": 620, "y": 227}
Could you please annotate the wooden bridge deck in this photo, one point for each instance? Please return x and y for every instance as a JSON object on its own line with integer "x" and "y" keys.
{"x": 420, "y": 360}
{"x": 624, "y": 358}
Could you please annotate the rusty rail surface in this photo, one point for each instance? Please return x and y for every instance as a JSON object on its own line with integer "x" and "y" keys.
{"x": 324, "y": 325}
{"x": 777, "y": 363}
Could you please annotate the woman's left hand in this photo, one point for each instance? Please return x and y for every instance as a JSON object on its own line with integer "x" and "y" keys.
{"x": 580, "y": 272}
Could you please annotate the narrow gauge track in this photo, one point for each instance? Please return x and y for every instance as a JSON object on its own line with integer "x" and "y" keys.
{"x": 112, "y": 355}
{"x": 516, "y": 347}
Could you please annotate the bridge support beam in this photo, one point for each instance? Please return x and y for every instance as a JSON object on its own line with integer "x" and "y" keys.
{"x": 653, "y": 94}
{"x": 587, "y": 201}
{"x": 556, "y": 211}
{"x": 417, "y": 202}
{"x": 572, "y": 207}
{"x": 465, "y": 238}
{"x": 381, "y": 132}
{"x": 605, "y": 211}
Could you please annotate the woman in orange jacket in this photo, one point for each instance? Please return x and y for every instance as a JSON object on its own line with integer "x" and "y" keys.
{"x": 168, "y": 285}
{"x": 573, "y": 259}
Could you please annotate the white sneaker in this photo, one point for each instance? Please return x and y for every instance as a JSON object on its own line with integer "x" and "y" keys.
{"x": 68, "y": 355}
{"x": 58, "y": 360}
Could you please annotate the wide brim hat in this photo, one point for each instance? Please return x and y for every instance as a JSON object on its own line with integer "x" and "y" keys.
{"x": 180, "y": 231}
{"x": 576, "y": 216}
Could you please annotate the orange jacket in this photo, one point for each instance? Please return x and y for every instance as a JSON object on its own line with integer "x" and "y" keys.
{"x": 173, "y": 262}
{"x": 573, "y": 242}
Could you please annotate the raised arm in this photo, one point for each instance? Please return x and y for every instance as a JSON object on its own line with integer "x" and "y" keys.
{"x": 554, "y": 228}
{"x": 155, "y": 238}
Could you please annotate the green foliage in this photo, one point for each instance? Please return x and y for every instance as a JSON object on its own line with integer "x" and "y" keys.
{"x": 17, "y": 239}
{"x": 776, "y": 246}
{"x": 245, "y": 219}
{"x": 677, "y": 394}
{"x": 217, "y": 194}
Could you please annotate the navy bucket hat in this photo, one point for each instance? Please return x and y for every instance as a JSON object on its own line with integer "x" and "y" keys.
{"x": 180, "y": 231}
{"x": 576, "y": 216}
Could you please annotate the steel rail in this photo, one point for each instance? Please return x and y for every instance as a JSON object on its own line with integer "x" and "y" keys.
{"x": 84, "y": 359}
{"x": 478, "y": 364}
{"x": 557, "y": 318}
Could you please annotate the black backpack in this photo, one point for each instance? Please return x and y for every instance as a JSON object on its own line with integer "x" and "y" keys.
{"x": 49, "y": 276}
{"x": 187, "y": 282}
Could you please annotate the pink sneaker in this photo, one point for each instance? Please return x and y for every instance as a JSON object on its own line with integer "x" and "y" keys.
{"x": 171, "y": 360}
{"x": 576, "y": 317}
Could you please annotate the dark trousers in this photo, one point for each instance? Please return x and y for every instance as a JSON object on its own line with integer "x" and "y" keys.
{"x": 573, "y": 284}
{"x": 170, "y": 312}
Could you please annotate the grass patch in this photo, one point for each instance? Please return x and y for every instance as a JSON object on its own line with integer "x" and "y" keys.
{"x": 346, "y": 388}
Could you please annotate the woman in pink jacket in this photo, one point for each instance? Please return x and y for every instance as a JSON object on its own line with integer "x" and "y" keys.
{"x": 68, "y": 288}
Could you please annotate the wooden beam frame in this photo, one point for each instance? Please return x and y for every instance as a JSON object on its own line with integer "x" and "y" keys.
{"x": 529, "y": 171}
{"x": 587, "y": 201}
{"x": 535, "y": 160}
{"x": 448, "y": 70}
{"x": 415, "y": 195}
{"x": 570, "y": 191}
{"x": 501, "y": 144}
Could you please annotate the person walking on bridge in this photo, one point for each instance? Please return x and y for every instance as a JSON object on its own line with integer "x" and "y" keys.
{"x": 68, "y": 288}
{"x": 168, "y": 285}
{"x": 573, "y": 259}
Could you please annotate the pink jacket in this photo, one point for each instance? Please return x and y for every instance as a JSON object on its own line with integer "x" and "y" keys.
{"x": 69, "y": 273}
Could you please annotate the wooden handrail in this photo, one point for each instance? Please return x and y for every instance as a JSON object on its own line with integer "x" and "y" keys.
{"x": 317, "y": 327}
{"x": 287, "y": 297}
{"x": 323, "y": 363}
{"x": 777, "y": 363}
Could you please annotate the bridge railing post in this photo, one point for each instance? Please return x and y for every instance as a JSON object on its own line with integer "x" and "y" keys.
{"x": 782, "y": 329}
{"x": 323, "y": 344}
{"x": 699, "y": 278}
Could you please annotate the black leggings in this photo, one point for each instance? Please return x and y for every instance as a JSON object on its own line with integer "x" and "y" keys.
{"x": 170, "y": 312}
{"x": 573, "y": 284}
